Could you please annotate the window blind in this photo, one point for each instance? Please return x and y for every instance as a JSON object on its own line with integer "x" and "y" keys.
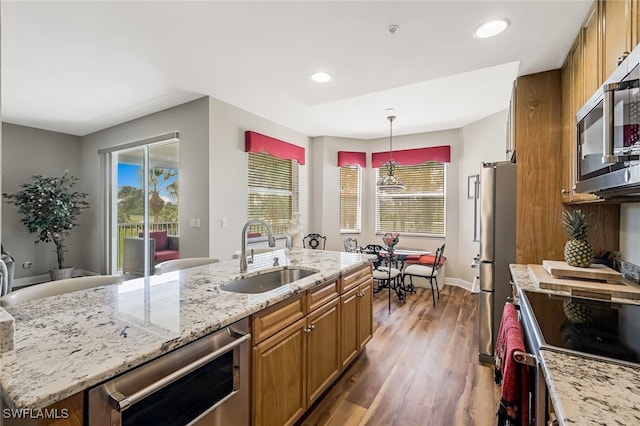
{"x": 273, "y": 192}
{"x": 350, "y": 198}
{"x": 420, "y": 208}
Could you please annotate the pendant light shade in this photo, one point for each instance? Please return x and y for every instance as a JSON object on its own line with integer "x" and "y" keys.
{"x": 390, "y": 182}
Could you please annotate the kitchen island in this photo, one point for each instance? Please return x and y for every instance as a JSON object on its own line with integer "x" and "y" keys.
{"x": 68, "y": 343}
{"x": 586, "y": 391}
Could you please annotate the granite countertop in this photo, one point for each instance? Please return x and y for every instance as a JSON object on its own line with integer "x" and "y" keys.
{"x": 65, "y": 344}
{"x": 590, "y": 392}
{"x": 586, "y": 391}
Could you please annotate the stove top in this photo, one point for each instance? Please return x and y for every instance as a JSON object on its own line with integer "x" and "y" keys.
{"x": 594, "y": 328}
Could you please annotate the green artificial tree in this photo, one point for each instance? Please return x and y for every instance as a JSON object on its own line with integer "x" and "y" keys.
{"x": 50, "y": 208}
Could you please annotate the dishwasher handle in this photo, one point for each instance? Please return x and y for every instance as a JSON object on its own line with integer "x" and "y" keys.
{"x": 122, "y": 402}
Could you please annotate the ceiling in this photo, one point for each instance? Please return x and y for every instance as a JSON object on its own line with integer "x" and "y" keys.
{"x": 79, "y": 67}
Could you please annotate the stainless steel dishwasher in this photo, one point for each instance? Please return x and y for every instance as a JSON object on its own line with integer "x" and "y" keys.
{"x": 205, "y": 382}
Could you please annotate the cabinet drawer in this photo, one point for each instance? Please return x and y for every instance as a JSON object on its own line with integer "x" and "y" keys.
{"x": 321, "y": 294}
{"x": 270, "y": 320}
{"x": 354, "y": 279}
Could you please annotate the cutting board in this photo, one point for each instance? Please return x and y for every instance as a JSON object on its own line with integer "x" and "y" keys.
{"x": 623, "y": 289}
{"x": 596, "y": 271}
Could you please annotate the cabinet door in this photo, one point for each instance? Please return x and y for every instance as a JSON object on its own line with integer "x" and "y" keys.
{"x": 350, "y": 344}
{"x": 280, "y": 376}
{"x": 616, "y": 33}
{"x": 323, "y": 348}
{"x": 568, "y": 131}
{"x": 578, "y": 74}
{"x": 365, "y": 313}
{"x": 591, "y": 53}
{"x": 511, "y": 124}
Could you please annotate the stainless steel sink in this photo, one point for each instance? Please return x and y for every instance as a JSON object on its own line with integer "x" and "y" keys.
{"x": 265, "y": 282}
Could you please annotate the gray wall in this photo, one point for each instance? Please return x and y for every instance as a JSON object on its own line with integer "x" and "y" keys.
{"x": 26, "y": 152}
{"x": 228, "y": 177}
{"x": 327, "y": 176}
{"x": 481, "y": 141}
{"x": 191, "y": 120}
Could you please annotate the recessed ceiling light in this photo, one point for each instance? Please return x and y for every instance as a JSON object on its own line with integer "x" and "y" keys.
{"x": 320, "y": 77}
{"x": 492, "y": 28}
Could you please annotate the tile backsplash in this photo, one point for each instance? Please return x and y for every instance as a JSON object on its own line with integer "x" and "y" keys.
{"x": 630, "y": 271}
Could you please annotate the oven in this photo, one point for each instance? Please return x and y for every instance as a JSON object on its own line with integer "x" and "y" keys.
{"x": 579, "y": 326}
{"x": 537, "y": 387}
{"x": 204, "y": 382}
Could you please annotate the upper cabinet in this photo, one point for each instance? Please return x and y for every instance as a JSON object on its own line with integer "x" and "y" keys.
{"x": 591, "y": 57}
{"x": 611, "y": 29}
{"x": 616, "y": 33}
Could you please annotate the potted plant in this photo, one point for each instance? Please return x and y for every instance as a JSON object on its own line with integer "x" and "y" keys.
{"x": 50, "y": 208}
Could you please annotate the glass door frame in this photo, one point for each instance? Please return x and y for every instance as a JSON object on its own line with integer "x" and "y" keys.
{"x": 110, "y": 169}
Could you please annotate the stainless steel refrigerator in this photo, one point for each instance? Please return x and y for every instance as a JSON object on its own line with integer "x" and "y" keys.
{"x": 497, "y": 248}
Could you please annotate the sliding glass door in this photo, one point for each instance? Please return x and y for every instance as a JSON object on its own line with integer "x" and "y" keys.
{"x": 144, "y": 207}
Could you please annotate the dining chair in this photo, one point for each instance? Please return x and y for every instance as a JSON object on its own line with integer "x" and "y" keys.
{"x": 54, "y": 288}
{"x": 178, "y": 264}
{"x": 429, "y": 272}
{"x": 387, "y": 272}
{"x": 313, "y": 241}
{"x": 350, "y": 244}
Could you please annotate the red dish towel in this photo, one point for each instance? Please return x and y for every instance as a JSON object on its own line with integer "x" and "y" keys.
{"x": 511, "y": 375}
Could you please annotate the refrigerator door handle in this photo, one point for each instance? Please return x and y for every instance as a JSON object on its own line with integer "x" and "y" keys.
{"x": 485, "y": 338}
{"x": 487, "y": 276}
{"x": 487, "y": 213}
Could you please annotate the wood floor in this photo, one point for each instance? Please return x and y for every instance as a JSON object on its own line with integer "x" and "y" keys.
{"x": 420, "y": 368}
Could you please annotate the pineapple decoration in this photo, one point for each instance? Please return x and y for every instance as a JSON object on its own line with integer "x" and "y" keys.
{"x": 577, "y": 251}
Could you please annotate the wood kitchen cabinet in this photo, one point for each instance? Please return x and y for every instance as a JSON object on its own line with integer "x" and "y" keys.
{"x": 356, "y": 309}
{"x": 293, "y": 367}
{"x": 323, "y": 348}
{"x": 591, "y": 53}
{"x": 539, "y": 233}
{"x": 280, "y": 376}
{"x": 568, "y": 131}
{"x": 299, "y": 345}
{"x": 356, "y": 313}
{"x": 573, "y": 98}
{"x": 617, "y": 33}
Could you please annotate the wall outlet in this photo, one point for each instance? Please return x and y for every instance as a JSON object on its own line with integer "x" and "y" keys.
{"x": 27, "y": 264}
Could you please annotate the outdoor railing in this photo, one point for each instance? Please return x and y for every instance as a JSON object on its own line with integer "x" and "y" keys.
{"x": 134, "y": 230}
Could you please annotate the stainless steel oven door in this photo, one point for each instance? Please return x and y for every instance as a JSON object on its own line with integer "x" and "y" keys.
{"x": 204, "y": 380}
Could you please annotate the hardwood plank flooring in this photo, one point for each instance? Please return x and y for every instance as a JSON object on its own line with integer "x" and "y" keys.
{"x": 420, "y": 368}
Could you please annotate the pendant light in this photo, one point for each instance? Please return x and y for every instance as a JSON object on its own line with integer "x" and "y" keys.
{"x": 390, "y": 182}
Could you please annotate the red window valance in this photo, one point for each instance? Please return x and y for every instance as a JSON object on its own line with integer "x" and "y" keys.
{"x": 411, "y": 157}
{"x": 350, "y": 158}
{"x": 256, "y": 142}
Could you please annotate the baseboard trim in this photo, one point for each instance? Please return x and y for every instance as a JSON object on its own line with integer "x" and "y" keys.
{"x": 38, "y": 279}
{"x": 458, "y": 283}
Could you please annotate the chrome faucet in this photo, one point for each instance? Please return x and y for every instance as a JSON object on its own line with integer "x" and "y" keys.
{"x": 243, "y": 255}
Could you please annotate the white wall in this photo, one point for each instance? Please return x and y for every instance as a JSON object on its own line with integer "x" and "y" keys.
{"x": 328, "y": 202}
{"x": 191, "y": 120}
{"x": 484, "y": 141}
{"x": 26, "y": 152}
{"x": 228, "y": 177}
{"x": 480, "y": 141}
{"x": 630, "y": 232}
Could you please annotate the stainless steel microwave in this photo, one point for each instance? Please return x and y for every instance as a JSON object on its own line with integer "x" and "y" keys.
{"x": 608, "y": 135}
